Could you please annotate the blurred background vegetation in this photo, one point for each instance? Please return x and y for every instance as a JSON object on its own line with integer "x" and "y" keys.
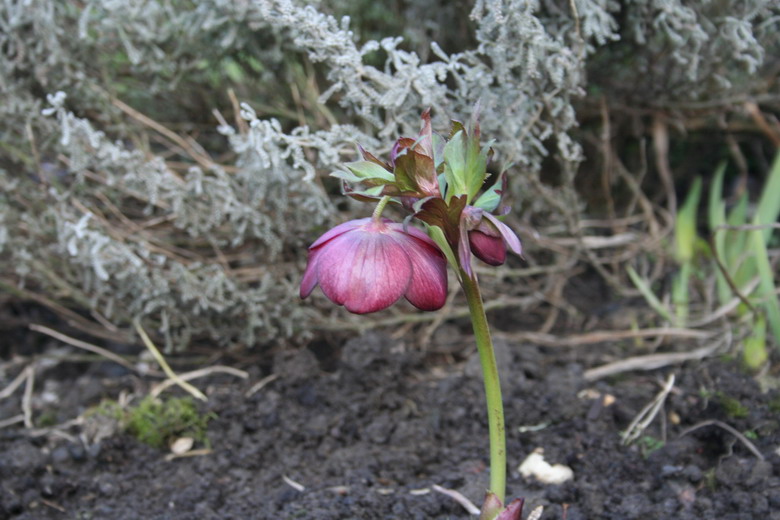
{"x": 168, "y": 161}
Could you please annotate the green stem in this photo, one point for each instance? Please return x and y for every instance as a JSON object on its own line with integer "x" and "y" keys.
{"x": 495, "y": 406}
{"x": 380, "y": 207}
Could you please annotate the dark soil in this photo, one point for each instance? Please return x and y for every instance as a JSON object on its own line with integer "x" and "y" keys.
{"x": 368, "y": 431}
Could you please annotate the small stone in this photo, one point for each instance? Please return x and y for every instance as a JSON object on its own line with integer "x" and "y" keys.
{"x": 668, "y": 470}
{"x": 182, "y": 445}
{"x": 60, "y": 455}
{"x": 693, "y": 473}
{"x": 761, "y": 471}
{"x": 77, "y": 452}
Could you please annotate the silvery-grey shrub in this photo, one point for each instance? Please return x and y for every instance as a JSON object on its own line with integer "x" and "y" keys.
{"x": 97, "y": 216}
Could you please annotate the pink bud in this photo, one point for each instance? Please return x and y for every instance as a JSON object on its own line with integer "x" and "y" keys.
{"x": 489, "y": 249}
{"x": 367, "y": 265}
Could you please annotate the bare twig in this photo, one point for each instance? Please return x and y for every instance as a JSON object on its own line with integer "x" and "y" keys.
{"x": 744, "y": 440}
{"x": 606, "y": 156}
{"x": 11, "y": 421}
{"x": 203, "y": 160}
{"x": 164, "y": 364}
{"x": 84, "y": 346}
{"x": 727, "y": 275}
{"x": 590, "y": 338}
{"x": 752, "y": 108}
{"x": 293, "y": 484}
{"x": 191, "y": 453}
{"x": 660, "y": 133}
{"x": 467, "y": 504}
{"x": 649, "y": 362}
{"x": 16, "y": 383}
{"x": 203, "y": 372}
{"x": 747, "y": 227}
{"x": 27, "y": 397}
{"x": 261, "y": 384}
{"x": 648, "y": 413}
{"x": 726, "y": 308}
{"x": 72, "y": 318}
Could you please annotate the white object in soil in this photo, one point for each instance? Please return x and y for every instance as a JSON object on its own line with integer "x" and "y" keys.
{"x": 535, "y": 466}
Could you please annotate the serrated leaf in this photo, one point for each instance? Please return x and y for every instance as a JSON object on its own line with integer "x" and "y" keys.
{"x": 414, "y": 172}
{"x": 455, "y": 165}
{"x": 491, "y": 198}
{"x": 436, "y": 212}
{"x": 367, "y": 170}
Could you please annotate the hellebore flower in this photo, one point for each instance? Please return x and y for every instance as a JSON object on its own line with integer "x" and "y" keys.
{"x": 368, "y": 264}
{"x": 490, "y": 240}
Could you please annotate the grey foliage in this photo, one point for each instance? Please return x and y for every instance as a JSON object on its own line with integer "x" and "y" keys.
{"x": 99, "y": 215}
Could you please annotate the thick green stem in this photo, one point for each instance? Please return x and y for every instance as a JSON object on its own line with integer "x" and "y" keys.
{"x": 495, "y": 406}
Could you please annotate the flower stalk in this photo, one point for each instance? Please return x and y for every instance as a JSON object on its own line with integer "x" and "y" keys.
{"x": 495, "y": 405}
{"x": 380, "y": 207}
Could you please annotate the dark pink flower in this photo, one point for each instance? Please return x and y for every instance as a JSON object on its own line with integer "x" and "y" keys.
{"x": 367, "y": 265}
{"x": 491, "y": 238}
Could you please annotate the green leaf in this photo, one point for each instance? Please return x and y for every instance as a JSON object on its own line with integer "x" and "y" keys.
{"x": 754, "y": 352}
{"x": 766, "y": 285}
{"x": 648, "y": 294}
{"x": 476, "y": 165}
{"x": 369, "y": 170}
{"x": 768, "y": 208}
{"x": 437, "y": 235}
{"x": 716, "y": 216}
{"x": 491, "y": 198}
{"x": 455, "y": 165}
{"x": 414, "y": 172}
{"x": 680, "y": 294}
{"x": 737, "y": 262}
{"x": 685, "y": 226}
{"x": 438, "y": 150}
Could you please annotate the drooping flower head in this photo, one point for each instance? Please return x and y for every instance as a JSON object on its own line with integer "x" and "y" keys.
{"x": 442, "y": 182}
{"x": 368, "y": 264}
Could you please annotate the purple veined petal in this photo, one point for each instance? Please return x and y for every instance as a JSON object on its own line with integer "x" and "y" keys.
{"x": 310, "y": 278}
{"x": 428, "y": 288}
{"x": 414, "y": 232}
{"x": 339, "y": 230}
{"x": 366, "y": 271}
{"x": 509, "y": 236}
{"x": 490, "y": 250}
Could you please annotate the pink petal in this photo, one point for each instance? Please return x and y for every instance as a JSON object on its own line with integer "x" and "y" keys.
{"x": 509, "y": 236}
{"x": 309, "y": 281}
{"x": 364, "y": 270}
{"x": 414, "y": 232}
{"x": 428, "y": 289}
{"x": 339, "y": 230}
